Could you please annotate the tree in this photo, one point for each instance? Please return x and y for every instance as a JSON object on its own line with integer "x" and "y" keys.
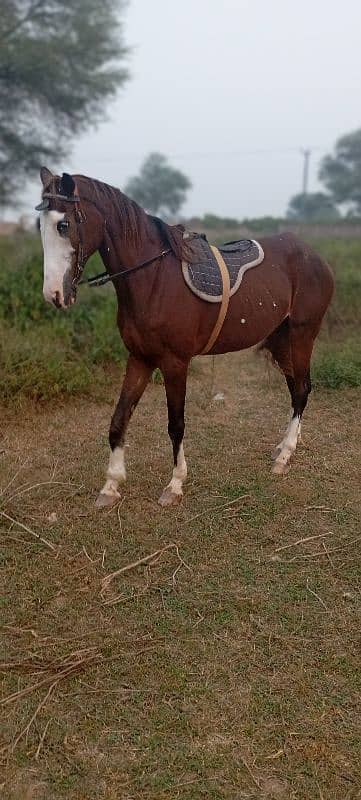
{"x": 59, "y": 62}
{"x": 341, "y": 172}
{"x": 159, "y": 188}
{"x": 314, "y": 207}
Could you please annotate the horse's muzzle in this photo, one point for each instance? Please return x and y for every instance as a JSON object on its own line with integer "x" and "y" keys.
{"x": 57, "y": 299}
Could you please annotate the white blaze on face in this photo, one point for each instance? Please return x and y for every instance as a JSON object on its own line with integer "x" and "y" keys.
{"x": 58, "y": 254}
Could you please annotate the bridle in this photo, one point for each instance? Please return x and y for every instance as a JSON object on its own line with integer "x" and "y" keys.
{"x": 80, "y": 218}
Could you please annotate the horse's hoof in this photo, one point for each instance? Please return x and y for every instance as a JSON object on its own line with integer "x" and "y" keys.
{"x": 170, "y": 498}
{"x": 275, "y": 453}
{"x": 106, "y": 500}
{"x": 280, "y": 469}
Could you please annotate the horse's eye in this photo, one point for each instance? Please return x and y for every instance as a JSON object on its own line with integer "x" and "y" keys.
{"x": 63, "y": 227}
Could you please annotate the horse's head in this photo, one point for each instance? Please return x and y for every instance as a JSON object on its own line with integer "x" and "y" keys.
{"x": 71, "y": 230}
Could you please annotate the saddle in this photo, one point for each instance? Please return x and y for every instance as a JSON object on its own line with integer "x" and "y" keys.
{"x": 203, "y": 273}
{"x": 215, "y": 274}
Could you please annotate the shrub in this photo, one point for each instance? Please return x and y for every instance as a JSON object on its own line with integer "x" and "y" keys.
{"x": 338, "y": 366}
{"x": 40, "y": 368}
{"x": 44, "y": 353}
{"x": 344, "y": 256}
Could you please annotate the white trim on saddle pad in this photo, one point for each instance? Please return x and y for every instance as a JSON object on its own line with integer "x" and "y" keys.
{"x": 218, "y": 298}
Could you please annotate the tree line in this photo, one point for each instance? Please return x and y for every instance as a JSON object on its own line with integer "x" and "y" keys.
{"x": 340, "y": 173}
{"x": 162, "y": 189}
{"x": 60, "y": 63}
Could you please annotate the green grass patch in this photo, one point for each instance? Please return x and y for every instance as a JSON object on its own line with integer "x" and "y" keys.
{"x": 344, "y": 256}
{"x": 41, "y": 370}
{"x": 43, "y": 353}
{"x": 338, "y": 365}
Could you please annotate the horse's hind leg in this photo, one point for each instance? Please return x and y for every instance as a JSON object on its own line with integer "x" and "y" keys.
{"x": 297, "y": 373}
{"x": 135, "y": 381}
{"x": 175, "y": 379}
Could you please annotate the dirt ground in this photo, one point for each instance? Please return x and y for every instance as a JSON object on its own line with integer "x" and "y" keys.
{"x": 228, "y": 664}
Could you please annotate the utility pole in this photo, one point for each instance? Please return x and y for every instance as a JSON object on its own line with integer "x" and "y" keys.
{"x": 306, "y": 165}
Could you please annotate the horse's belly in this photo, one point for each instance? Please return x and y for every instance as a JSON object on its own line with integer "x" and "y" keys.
{"x": 257, "y": 309}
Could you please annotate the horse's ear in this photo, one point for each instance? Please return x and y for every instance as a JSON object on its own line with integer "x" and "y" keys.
{"x": 67, "y": 185}
{"x": 45, "y": 176}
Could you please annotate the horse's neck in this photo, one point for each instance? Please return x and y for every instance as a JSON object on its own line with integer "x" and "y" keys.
{"x": 118, "y": 254}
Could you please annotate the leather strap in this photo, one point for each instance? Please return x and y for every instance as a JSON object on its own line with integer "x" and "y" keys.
{"x": 224, "y": 303}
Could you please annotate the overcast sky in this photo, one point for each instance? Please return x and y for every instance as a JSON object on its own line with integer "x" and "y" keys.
{"x": 231, "y": 91}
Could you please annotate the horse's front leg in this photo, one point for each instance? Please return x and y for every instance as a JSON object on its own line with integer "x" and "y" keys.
{"x": 135, "y": 381}
{"x": 175, "y": 378}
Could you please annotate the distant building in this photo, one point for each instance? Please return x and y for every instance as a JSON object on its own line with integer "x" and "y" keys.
{"x": 8, "y": 228}
{"x": 24, "y": 223}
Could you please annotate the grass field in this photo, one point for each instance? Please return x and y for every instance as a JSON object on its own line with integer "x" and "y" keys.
{"x": 225, "y": 666}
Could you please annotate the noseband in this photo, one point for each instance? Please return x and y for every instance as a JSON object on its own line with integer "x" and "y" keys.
{"x": 80, "y": 217}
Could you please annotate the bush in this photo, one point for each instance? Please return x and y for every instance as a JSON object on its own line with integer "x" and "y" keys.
{"x": 264, "y": 226}
{"x": 344, "y": 256}
{"x": 338, "y": 366}
{"x": 213, "y": 221}
{"x": 40, "y": 368}
{"x": 44, "y": 353}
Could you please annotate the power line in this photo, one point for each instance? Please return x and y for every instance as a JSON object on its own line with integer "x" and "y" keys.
{"x": 218, "y": 153}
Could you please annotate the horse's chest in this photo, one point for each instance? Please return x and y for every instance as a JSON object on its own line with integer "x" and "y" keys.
{"x": 139, "y": 334}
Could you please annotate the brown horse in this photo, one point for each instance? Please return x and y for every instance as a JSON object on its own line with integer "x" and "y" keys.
{"x": 281, "y": 305}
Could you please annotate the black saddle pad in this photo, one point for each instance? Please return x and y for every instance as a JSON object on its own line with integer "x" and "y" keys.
{"x": 202, "y": 273}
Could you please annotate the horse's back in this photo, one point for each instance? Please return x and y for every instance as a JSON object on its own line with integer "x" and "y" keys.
{"x": 297, "y": 257}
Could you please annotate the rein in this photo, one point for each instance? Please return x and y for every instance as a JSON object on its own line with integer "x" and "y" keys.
{"x": 103, "y": 277}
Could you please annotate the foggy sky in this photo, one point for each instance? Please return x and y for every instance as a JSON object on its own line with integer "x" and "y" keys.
{"x": 216, "y": 83}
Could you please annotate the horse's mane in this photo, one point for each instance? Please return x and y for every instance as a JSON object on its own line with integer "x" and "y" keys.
{"x": 126, "y": 218}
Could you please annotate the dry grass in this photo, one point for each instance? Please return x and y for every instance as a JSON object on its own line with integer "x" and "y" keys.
{"x": 226, "y": 662}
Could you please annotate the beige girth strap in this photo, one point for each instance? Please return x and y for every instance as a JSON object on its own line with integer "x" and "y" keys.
{"x": 224, "y": 304}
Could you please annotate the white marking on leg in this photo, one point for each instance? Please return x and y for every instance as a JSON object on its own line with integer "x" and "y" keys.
{"x": 288, "y": 431}
{"x": 179, "y": 473}
{"x": 115, "y": 472}
{"x": 289, "y": 443}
